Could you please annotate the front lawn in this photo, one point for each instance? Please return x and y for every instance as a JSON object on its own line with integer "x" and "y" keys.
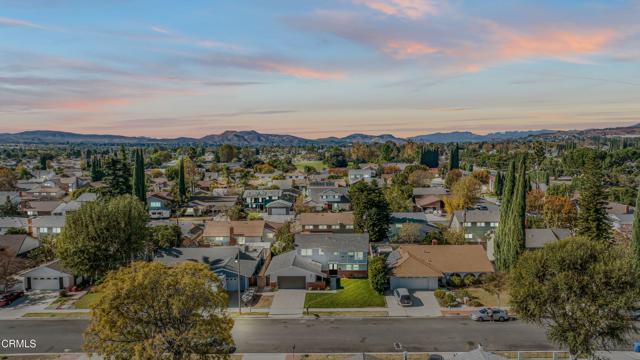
{"x": 488, "y": 299}
{"x": 355, "y": 293}
{"x": 316, "y": 164}
{"x": 87, "y": 300}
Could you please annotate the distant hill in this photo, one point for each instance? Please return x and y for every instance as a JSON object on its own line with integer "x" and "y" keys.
{"x": 247, "y": 138}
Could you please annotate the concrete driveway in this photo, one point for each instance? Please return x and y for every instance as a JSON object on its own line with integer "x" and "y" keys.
{"x": 424, "y": 305}
{"x": 288, "y": 303}
{"x": 34, "y": 301}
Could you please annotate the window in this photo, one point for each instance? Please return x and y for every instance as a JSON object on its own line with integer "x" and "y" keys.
{"x": 43, "y": 230}
{"x": 155, "y": 204}
{"x": 270, "y": 235}
{"x": 320, "y": 252}
{"x": 241, "y": 239}
{"x": 336, "y": 253}
{"x": 482, "y": 224}
{"x": 468, "y": 236}
{"x": 333, "y": 266}
{"x": 350, "y": 227}
{"x": 219, "y": 238}
{"x": 56, "y": 230}
{"x": 308, "y": 227}
{"x": 467, "y": 224}
{"x": 348, "y": 267}
{"x": 335, "y": 226}
{"x": 399, "y": 226}
{"x": 359, "y": 255}
{"x": 306, "y": 252}
{"x": 322, "y": 227}
{"x": 494, "y": 224}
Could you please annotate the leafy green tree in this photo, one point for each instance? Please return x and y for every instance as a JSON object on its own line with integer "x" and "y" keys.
{"x": 451, "y": 178}
{"x": 284, "y": 240}
{"x": 227, "y": 153}
{"x": 16, "y": 231}
{"x": 593, "y": 222}
{"x": 581, "y": 290}
{"x": 139, "y": 178}
{"x": 9, "y": 208}
{"x": 336, "y": 158}
{"x": 166, "y": 236}
{"x": 370, "y": 210}
{"x": 7, "y": 179}
{"x": 103, "y": 235}
{"x": 428, "y": 156}
{"x": 148, "y": 311}
{"x": 635, "y": 231}
{"x": 378, "y": 274}
{"x": 495, "y": 284}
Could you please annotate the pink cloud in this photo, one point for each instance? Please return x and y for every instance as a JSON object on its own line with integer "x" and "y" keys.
{"x": 412, "y": 9}
{"x": 4, "y": 21}
{"x": 82, "y": 104}
{"x": 403, "y": 49}
{"x": 302, "y": 72}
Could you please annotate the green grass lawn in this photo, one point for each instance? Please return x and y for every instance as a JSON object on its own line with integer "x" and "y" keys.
{"x": 355, "y": 293}
{"x": 317, "y": 164}
{"x": 88, "y": 300}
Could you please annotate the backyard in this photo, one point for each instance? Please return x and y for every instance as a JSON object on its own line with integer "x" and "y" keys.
{"x": 354, "y": 293}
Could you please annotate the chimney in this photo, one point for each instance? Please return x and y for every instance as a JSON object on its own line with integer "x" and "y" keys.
{"x": 30, "y": 226}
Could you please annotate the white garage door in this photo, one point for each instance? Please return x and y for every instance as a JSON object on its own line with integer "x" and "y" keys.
{"x": 38, "y": 283}
{"x": 279, "y": 211}
{"x": 426, "y": 283}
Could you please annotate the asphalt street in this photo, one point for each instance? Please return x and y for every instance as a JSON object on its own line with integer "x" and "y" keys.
{"x": 316, "y": 335}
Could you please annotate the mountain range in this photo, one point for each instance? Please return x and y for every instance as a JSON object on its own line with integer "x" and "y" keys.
{"x": 254, "y": 138}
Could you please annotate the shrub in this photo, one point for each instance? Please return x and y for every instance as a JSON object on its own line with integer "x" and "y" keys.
{"x": 63, "y": 293}
{"x": 450, "y": 300}
{"x": 462, "y": 293}
{"x": 469, "y": 280}
{"x": 439, "y": 294}
{"x": 455, "y": 280}
{"x": 475, "y": 303}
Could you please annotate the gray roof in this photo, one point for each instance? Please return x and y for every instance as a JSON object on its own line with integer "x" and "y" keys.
{"x": 88, "y": 196}
{"x": 261, "y": 193}
{"x": 315, "y": 193}
{"x": 436, "y": 190}
{"x": 13, "y": 222}
{"x": 279, "y": 204}
{"x": 292, "y": 259}
{"x": 217, "y": 258}
{"x": 623, "y": 219}
{"x": 334, "y": 242}
{"x": 481, "y": 216}
{"x": 49, "y": 221}
{"x": 537, "y": 238}
{"x": 420, "y": 216}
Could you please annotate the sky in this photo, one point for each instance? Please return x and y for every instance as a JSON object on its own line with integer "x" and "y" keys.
{"x": 317, "y": 68}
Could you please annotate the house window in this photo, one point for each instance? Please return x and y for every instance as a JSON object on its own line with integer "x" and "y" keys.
{"x": 155, "y": 204}
{"x": 306, "y": 252}
{"x": 270, "y": 235}
{"x": 322, "y": 227}
{"x": 467, "y": 224}
{"x": 482, "y": 224}
{"x": 320, "y": 252}
{"x": 43, "y": 230}
{"x": 308, "y": 227}
{"x": 56, "y": 230}
{"x": 241, "y": 239}
{"x": 468, "y": 236}
{"x": 350, "y": 227}
{"x": 333, "y": 266}
{"x": 336, "y": 253}
{"x": 399, "y": 226}
{"x": 494, "y": 224}
{"x": 348, "y": 267}
{"x": 335, "y": 226}
{"x": 359, "y": 255}
{"x": 219, "y": 238}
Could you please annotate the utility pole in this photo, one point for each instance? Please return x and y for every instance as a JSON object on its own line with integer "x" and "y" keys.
{"x": 239, "y": 296}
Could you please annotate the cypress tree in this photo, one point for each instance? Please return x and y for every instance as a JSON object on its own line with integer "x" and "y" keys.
{"x": 635, "y": 231}
{"x": 593, "y": 222}
{"x": 182, "y": 186}
{"x": 499, "y": 185}
{"x": 501, "y": 234}
{"x": 139, "y": 184}
{"x": 515, "y": 227}
{"x": 454, "y": 158}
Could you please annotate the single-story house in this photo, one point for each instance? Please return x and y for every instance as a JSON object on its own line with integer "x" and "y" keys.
{"x": 534, "y": 239}
{"x": 41, "y": 208}
{"x": 426, "y": 267}
{"x": 223, "y": 233}
{"x": 50, "y": 276}
{"x": 42, "y": 226}
{"x": 222, "y": 260}
{"x": 293, "y": 271}
{"x": 345, "y": 253}
{"x": 340, "y": 222}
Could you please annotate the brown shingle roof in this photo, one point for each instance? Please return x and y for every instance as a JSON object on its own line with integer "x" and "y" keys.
{"x": 223, "y": 228}
{"x": 434, "y": 260}
{"x": 326, "y": 218}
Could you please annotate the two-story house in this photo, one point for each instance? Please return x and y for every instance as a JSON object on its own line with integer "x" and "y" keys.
{"x": 259, "y": 199}
{"x": 344, "y": 253}
{"x": 356, "y": 175}
{"x": 159, "y": 205}
{"x": 224, "y": 233}
{"x": 429, "y": 199}
{"x": 476, "y": 225}
{"x": 327, "y": 196}
{"x": 341, "y": 222}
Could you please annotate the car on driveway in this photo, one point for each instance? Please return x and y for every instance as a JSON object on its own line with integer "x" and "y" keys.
{"x": 9, "y": 298}
{"x": 403, "y": 297}
{"x": 489, "y": 314}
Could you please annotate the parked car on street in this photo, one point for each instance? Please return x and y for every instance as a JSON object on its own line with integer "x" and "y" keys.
{"x": 403, "y": 297}
{"x": 490, "y": 314}
{"x": 9, "y": 298}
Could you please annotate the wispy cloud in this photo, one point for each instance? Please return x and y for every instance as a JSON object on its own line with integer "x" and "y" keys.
{"x": 412, "y": 9}
{"x": 9, "y": 22}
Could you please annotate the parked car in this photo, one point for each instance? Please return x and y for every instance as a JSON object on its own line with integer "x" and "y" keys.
{"x": 487, "y": 314}
{"x": 403, "y": 297}
{"x": 9, "y": 298}
{"x": 435, "y": 357}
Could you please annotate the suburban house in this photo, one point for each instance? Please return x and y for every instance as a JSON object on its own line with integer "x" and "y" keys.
{"x": 210, "y": 204}
{"x": 400, "y": 219}
{"x": 190, "y": 231}
{"x": 224, "y": 233}
{"x": 18, "y": 245}
{"x": 40, "y": 208}
{"x": 622, "y": 223}
{"x": 46, "y": 193}
{"x": 50, "y": 276}
{"x": 11, "y": 196}
{"x": 355, "y": 175}
{"x": 345, "y": 253}
{"x": 295, "y": 175}
{"x": 476, "y": 225}
{"x": 327, "y": 196}
{"x": 259, "y": 199}
{"x": 534, "y": 239}
{"x": 341, "y": 222}
{"x": 7, "y": 223}
{"x": 225, "y": 261}
{"x": 293, "y": 271}
{"x": 42, "y": 226}
{"x": 159, "y": 205}
{"x": 279, "y": 207}
{"x": 74, "y": 205}
{"x": 426, "y": 267}
{"x": 430, "y": 199}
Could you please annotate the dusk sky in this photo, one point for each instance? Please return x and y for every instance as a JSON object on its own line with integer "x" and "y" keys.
{"x": 317, "y": 68}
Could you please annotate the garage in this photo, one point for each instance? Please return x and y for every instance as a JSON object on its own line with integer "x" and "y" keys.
{"x": 291, "y": 282}
{"x": 50, "y": 276}
{"x": 44, "y": 283}
{"x": 414, "y": 283}
{"x": 279, "y": 211}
